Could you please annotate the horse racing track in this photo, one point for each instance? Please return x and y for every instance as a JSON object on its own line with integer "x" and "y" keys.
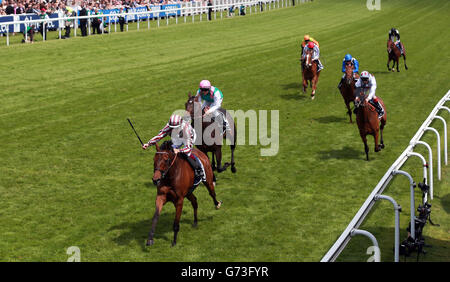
{"x": 72, "y": 173}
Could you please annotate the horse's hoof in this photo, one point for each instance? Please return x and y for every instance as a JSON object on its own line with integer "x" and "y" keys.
{"x": 382, "y": 146}
{"x": 219, "y": 204}
{"x": 195, "y": 225}
{"x": 174, "y": 243}
{"x": 312, "y": 97}
{"x": 149, "y": 242}
{"x": 219, "y": 170}
{"x": 233, "y": 169}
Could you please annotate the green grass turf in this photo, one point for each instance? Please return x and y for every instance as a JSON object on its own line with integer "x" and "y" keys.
{"x": 72, "y": 172}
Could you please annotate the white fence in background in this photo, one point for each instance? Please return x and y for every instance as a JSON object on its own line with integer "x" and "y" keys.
{"x": 188, "y": 9}
{"x": 352, "y": 228}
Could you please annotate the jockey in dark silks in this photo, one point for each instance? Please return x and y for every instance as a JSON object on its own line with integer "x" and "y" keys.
{"x": 349, "y": 58}
{"x": 394, "y": 36}
{"x": 183, "y": 138}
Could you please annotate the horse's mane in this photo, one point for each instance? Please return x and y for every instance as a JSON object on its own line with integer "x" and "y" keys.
{"x": 166, "y": 145}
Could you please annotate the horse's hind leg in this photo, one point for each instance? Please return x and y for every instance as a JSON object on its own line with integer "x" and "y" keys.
{"x": 160, "y": 201}
{"x": 210, "y": 186}
{"x": 213, "y": 163}
{"x": 383, "y": 122}
{"x": 404, "y": 61}
{"x": 176, "y": 222}
{"x": 233, "y": 168}
{"x": 194, "y": 203}
{"x": 397, "y": 65}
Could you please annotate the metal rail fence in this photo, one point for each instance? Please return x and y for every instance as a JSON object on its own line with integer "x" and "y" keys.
{"x": 352, "y": 228}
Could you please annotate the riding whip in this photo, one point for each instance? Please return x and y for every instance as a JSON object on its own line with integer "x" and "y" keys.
{"x": 135, "y": 132}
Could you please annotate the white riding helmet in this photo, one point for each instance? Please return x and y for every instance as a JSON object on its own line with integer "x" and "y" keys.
{"x": 365, "y": 75}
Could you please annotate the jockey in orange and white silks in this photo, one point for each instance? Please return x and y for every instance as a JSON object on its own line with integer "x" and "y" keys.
{"x": 366, "y": 82}
{"x": 183, "y": 138}
{"x": 315, "y": 54}
{"x": 211, "y": 99}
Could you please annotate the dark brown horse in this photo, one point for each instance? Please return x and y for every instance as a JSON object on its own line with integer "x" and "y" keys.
{"x": 210, "y": 141}
{"x": 368, "y": 122}
{"x": 394, "y": 54}
{"x": 310, "y": 73}
{"x": 348, "y": 88}
{"x": 174, "y": 178}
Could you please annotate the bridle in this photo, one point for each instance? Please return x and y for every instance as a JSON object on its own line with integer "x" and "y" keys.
{"x": 163, "y": 173}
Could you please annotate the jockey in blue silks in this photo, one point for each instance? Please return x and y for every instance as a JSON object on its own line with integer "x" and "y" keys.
{"x": 349, "y": 58}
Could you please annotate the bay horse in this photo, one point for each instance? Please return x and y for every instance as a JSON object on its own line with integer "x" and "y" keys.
{"x": 310, "y": 73}
{"x": 174, "y": 178}
{"x": 394, "y": 54}
{"x": 368, "y": 121}
{"x": 208, "y": 132}
{"x": 348, "y": 88}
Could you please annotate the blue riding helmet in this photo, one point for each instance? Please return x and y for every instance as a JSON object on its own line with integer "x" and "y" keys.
{"x": 348, "y": 57}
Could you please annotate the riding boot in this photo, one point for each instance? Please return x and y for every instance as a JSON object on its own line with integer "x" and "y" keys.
{"x": 198, "y": 171}
{"x": 378, "y": 108}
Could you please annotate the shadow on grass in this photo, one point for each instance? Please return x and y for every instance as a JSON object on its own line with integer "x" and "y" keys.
{"x": 138, "y": 231}
{"x": 445, "y": 201}
{"x": 346, "y": 153}
{"x": 294, "y": 96}
{"x": 296, "y": 85}
{"x": 332, "y": 119}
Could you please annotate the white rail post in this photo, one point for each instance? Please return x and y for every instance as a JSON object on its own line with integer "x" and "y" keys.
{"x": 445, "y": 137}
{"x": 7, "y": 35}
{"x": 430, "y": 165}
{"x": 412, "y": 208}
{"x": 438, "y": 149}
{"x": 372, "y": 238}
{"x": 425, "y": 166}
{"x": 397, "y": 210}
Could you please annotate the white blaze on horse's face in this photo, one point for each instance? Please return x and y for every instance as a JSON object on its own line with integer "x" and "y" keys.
{"x": 308, "y": 59}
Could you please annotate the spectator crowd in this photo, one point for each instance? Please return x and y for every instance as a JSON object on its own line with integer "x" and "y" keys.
{"x": 15, "y": 7}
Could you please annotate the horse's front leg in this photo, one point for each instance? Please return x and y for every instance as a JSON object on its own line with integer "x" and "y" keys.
{"x": 176, "y": 222}
{"x": 160, "y": 201}
{"x": 366, "y": 147}
{"x": 397, "y": 65}
{"x": 388, "y": 62}
{"x": 349, "y": 110}
{"x": 305, "y": 82}
{"x": 313, "y": 86}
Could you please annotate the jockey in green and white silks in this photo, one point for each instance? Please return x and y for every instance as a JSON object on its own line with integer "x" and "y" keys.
{"x": 211, "y": 99}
